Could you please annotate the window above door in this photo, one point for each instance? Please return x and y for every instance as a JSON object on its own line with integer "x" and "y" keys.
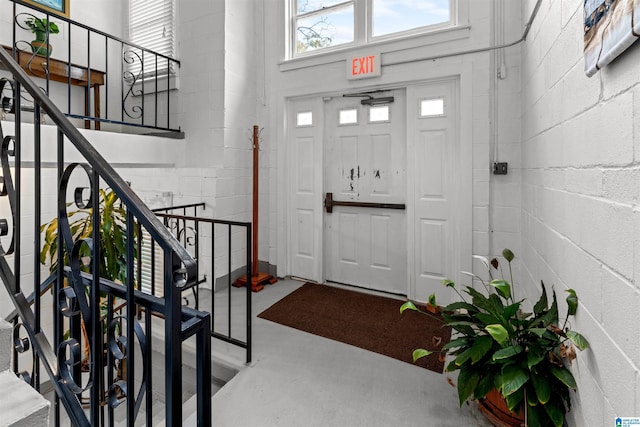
{"x": 329, "y": 25}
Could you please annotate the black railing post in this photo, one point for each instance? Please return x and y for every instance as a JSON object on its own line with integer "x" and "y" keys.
{"x": 95, "y": 332}
{"x": 37, "y": 208}
{"x": 173, "y": 353}
{"x": 249, "y": 292}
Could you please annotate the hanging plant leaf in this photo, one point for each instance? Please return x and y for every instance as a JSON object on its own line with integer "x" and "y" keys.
{"x": 577, "y": 339}
{"x": 572, "y": 302}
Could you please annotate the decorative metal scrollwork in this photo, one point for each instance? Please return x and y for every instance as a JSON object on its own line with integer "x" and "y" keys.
{"x": 119, "y": 345}
{"x": 7, "y": 102}
{"x": 22, "y": 345}
{"x": 69, "y": 357}
{"x": 134, "y": 62}
{"x": 73, "y": 301}
{"x": 7, "y": 149}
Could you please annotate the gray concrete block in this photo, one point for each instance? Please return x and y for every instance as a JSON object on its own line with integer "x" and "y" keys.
{"x": 22, "y": 406}
{"x": 5, "y": 345}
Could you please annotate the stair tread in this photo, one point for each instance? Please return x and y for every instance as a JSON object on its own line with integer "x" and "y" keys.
{"x": 21, "y": 403}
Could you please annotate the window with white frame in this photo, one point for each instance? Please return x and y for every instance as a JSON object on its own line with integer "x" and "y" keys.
{"x": 325, "y": 24}
{"x": 152, "y": 25}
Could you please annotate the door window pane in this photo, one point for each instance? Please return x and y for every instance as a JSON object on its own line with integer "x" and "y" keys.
{"x": 348, "y": 116}
{"x": 305, "y": 119}
{"x": 379, "y": 114}
{"x": 393, "y": 16}
{"x": 432, "y": 107}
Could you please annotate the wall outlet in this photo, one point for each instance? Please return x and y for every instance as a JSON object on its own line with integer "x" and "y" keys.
{"x": 500, "y": 168}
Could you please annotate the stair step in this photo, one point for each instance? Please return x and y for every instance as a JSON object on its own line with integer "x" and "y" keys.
{"x": 22, "y": 406}
{"x": 5, "y": 345}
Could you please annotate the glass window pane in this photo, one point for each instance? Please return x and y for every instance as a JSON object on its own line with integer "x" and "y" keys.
{"x": 348, "y": 117}
{"x": 322, "y": 30}
{"x": 392, "y": 16}
{"x": 306, "y": 6}
{"x": 432, "y": 107}
{"x": 379, "y": 114}
{"x": 305, "y": 119}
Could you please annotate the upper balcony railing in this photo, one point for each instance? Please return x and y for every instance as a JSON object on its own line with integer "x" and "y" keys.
{"x": 95, "y": 77}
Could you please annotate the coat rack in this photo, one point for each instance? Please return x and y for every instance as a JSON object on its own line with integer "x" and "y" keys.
{"x": 258, "y": 279}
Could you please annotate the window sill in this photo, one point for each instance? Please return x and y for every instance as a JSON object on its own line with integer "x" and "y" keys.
{"x": 385, "y": 46}
{"x": 150, "y": 85}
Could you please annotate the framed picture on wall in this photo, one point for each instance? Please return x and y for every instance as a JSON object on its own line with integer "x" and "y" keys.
{"x": 610, "y": 27}
{"x": 54, "y": 7}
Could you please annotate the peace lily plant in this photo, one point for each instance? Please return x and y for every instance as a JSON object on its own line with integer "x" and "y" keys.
{"x": 525, "y": 356}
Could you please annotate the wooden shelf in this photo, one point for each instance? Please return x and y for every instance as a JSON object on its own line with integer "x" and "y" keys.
{"x": 63, "y": 72}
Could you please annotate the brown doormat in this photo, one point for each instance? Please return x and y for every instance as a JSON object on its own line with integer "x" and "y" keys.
{"x": 367, "y": 321}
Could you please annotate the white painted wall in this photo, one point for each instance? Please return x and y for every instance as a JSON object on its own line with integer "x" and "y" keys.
{"x": 581, "y": 202}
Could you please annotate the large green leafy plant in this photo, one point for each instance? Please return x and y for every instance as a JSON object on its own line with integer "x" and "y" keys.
{"x": 525, "y": 356}
{"x": 113, "y": 262}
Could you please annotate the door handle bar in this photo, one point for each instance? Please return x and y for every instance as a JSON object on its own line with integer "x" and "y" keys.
{"x": 329, "y": 203}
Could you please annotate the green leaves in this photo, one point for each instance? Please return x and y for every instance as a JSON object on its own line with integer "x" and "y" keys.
{"x": 507, "y": 352}
{"x": 448, "y": 283}
{"x": 419, "y": 353}
{"x": 467, "y": 381}
{"x": 498, "y": 333}
{"x": 409, "y": 305}
{"x": 578, "y": 340}
{"x": 542, "y": 387}
{"x": 513, "y": 377}
{"x": 500, "y": 346}
{"x": 542, "y": 303}
{"x": 565, "y": 376}
{"x": 572, "y": 303}
{"x": 502, "y": 287}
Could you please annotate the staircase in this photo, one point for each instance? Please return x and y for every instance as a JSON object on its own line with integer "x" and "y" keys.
{"x": 98, "y": 364}
{"x": 20, "y": 405}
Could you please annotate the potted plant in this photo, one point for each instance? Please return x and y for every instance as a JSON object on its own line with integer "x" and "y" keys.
{"x": 522, "y": 357}
{"x": 113, "y": 262}
{"x": 40, "y": 27}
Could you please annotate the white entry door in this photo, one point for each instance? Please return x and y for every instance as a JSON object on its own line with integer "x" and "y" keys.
{"x": 365, "y": 174}
{"x": 440, "y": 190}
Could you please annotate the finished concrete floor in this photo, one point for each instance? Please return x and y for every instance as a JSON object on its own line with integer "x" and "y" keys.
{"x": 300, "y": 379}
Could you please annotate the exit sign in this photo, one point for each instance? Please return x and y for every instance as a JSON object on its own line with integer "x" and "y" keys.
{"x": 365, "y": 66}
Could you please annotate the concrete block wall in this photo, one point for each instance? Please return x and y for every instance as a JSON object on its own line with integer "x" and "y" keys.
{"x": 581, "y": 202}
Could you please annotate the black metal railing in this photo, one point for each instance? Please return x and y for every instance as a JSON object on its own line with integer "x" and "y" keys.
{"x": 223, "y": 251}
{"x": 99, "y": 77}
{"x": 85, "y": 308}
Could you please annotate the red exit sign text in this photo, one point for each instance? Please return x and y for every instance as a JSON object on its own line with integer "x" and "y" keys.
{"x": 365, "y": 66}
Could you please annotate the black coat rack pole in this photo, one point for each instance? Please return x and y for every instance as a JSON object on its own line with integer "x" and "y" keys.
{"x": 257, "y": 279}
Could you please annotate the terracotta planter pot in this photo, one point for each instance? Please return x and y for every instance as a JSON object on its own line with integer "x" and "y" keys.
{"x": 495, "y": 409}
{"x": 433, "y": 308}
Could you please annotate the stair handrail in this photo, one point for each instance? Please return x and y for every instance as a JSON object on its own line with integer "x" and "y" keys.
{"x": 139, "y": 210}
{"x": 180, "y": 273}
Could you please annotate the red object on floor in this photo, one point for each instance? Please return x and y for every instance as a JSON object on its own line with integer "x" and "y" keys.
{"x": 257, "y": 281}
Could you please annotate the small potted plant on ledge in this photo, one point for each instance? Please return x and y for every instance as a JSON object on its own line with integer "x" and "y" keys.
{"x": 40, "y": 27}
{"x": 519, "y": 359}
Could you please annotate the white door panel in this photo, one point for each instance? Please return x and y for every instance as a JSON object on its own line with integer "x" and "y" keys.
{"x": 366, "y": 162}
{"x": 306, "y": 189}
{"x": 436, "y": 212}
